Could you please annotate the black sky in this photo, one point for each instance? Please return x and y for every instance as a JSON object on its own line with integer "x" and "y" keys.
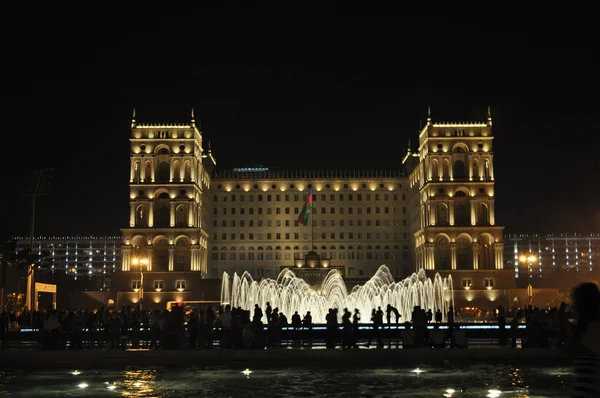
{"x": 343, "y": 92}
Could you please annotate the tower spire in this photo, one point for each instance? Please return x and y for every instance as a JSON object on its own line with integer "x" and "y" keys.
{"x": 429, "y": 115}
{"x": 489, "y": 116}
{"x": 133, "y": 118}
{"x": 193, "y": 121}
{"x": 409, "y": 145}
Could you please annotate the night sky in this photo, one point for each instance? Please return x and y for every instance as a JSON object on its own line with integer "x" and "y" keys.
{"x": 343, "y": 92}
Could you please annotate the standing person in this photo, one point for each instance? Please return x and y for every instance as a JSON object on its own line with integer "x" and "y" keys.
{"x": 355, "y": 325}
{"x": 586, "y": 341}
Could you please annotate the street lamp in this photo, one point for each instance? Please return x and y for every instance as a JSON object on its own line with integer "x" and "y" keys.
{"x": 142, "y": 262}
{"x": 530, "y": 260}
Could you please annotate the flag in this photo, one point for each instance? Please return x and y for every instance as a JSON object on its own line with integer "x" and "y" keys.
{"x": 307, "y": 208}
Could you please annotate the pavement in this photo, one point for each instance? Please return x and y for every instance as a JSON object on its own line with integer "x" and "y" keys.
{"x": 118, "y": 359}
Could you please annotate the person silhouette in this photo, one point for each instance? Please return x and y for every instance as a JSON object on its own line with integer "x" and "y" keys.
{"x": 587, "y": 341}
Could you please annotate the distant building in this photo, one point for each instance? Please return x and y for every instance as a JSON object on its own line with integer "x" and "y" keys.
{"x": 85, "y": 258}
{"x": 553, "y": 260}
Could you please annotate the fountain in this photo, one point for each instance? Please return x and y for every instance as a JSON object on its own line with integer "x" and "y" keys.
{"x": 290, "y": 293}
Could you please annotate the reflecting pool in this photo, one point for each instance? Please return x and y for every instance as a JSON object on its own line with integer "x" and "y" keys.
{"x": 444, "y": 379}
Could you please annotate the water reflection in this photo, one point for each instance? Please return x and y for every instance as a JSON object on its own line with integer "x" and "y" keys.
{"x": 140, "y": 383}
{"x": 453, "y": 379}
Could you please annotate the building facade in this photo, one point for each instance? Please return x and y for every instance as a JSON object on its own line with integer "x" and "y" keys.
{"x": 167, "y": 232}
{"x": 452, "y": 196}
{"x": 359, "y": 221}
{"x": 560, "y": 261}
{"x": 93, "y": 259}
{"x": 189, "y": 223}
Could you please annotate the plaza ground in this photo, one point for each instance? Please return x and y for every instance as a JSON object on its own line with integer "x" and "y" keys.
{"x": 20, "y": 359}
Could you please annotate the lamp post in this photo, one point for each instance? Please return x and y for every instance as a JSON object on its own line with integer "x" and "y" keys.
{"x": 142, "y": 262}
{"x": 530, "y": 260}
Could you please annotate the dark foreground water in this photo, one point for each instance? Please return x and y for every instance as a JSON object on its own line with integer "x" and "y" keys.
{"x": 444, "y": 379}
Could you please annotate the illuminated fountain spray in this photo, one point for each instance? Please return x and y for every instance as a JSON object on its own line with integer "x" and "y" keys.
{"x": 290, "y": 293}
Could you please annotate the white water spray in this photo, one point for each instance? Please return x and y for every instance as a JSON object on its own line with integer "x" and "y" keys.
{"x": 290, "y": 293}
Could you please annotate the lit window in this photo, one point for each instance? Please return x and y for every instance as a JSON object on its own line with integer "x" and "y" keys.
{"x": 180, "y": 285}
{"x": 158, "y": 285}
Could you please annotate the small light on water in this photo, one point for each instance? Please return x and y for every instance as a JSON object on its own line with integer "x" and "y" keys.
{"x": 494, "y": 393}
{"x": 75, "y": 372}
{"x": 247, "y": 372}
{"x": 137, "y": 384}
{"x": 418, "y": 371}
{"x": 82, "y": 385}
{"x": 111, "y": 387}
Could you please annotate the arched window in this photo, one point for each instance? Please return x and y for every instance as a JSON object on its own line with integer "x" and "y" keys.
{"x": 435, "y": 169}
{"x": 181, "y": 216}
{"x": 187, "y": 171}
{"x": 461, "y": 215}
{"x": 176, "y": 170}
{"x": 163, "y": 172}
{"x": 141, "y": 216}
{"x": 163, "y": 208}
{"x": 459, "y": 170}
{"x": 484, "y": 215}
{"x": 442, "y": 217}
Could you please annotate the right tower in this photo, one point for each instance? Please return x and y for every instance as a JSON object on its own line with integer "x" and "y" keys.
{"x": 453, "y": 184}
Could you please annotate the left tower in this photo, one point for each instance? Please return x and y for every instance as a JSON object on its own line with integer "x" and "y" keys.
{"x": 167, "y": 182}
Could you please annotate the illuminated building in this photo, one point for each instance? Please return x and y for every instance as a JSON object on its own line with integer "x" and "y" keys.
{"x": 561, "y": 260}
{"x": 359, "y": 221}
{"x": 88, "y": 258}
{"x": 452, "y": 206}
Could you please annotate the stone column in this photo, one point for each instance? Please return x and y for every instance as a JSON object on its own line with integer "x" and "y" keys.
{"x": 171, "y": 257}
{"x": 125, "y": 257}
{"x": 499, "y": 255}
{"x": 181, "y": 169}
{"x": 151, "y": 214}
{"x": 149, "y": 251}
{"x": 190, "y": 215}
{"x": 451, "y": 211}
{"x": 452, "y": 255}
{"x": 193, "y": 170}
{"x": 195, "y": 258}
{"x": 475, "y": 255}
{"x": 132, "y": 214}
{"x": 491, "y": 169}
{"x": 492, "y": 213}
{"x": 152, "y": 168}
{"x": 470, "y": 168}
{"x": 172, "y": 214}
{"x": 132, "y": 173}
{"x": 430, "y": 250}
{"x": 473, "y": 205}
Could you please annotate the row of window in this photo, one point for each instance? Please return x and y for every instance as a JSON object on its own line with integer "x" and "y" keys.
{"x": 342, "y": 255}
{"x": 159, "y": 285}
{"x": 324, "y": 236}
{"x": 327, "y": 186}
{"x": 296, "y": 210}
{"x": 296, "y": 197}
{"x": 467, "y": 283}
{"x": 287, "y": 223}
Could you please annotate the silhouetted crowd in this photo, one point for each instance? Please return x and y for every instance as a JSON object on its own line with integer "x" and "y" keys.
{"x": 229, "y": 328}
